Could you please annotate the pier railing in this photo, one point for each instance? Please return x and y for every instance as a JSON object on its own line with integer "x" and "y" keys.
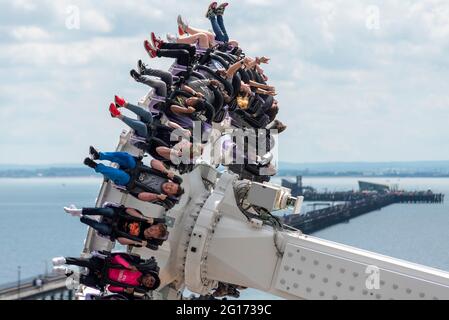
{"x": 50, "y": 287}
{"x": 355, "y": 204}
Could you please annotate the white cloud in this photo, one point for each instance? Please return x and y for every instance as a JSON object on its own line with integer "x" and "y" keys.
{"x": 346, "y": 92}
{"x": 28, "y": 5}
{"x": 29, "y": 33}
{"x": 96, "y": 50}
{"x": 93, "y": 20}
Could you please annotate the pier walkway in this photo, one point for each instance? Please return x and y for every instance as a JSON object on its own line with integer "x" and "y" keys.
{"x": 51, "y": 287}
{"x": 355, "y": 203}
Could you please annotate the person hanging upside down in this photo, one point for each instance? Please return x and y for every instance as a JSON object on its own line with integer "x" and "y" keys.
{"x": 126, "y": 225}
{"x": 161, "y": 81}
{"x": 158, "y": 136}
{"x": 183, "y": 53}
{"x": 116, "y": 272}
{"x": 152, "y": 184}
{"x": 215, "y": 15}
{"x": 164, "y": 86}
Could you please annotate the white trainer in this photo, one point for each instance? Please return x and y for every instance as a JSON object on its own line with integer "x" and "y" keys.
{"x": 73, "y": 210}
{"x": 58, "y": 261}
{"x": 171, "y": 38}
{"x": 61, "y": 270}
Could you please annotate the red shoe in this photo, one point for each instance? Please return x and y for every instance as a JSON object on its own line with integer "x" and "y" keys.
{"x": 120, "y": 101}
{"x": 157, "y": 42}
{"x": 180, "y": 31}
{"x": 114, "y": 111}
{"x": 152, "y": 52}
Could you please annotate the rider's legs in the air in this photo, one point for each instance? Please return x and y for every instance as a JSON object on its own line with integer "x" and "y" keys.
{"x": 92, "y": 263}
{"x": 181, "y": 55}
{"x": 103, "y": 228}
{"x": 105, "y": 212}
{"x": 139, "y": 127}
{"x": 179, "y": 46}
{"x": 220, "y": 22}
{"x": 123, "y": 159}
{"x": 195, "y": 31}
{"x": 163, "y": 75}
{"x": 219, "y": 34}
{"x": 144, "y": 115}
{"x": 158, "y": 85}
{"x": 120, "y": 178}
{"x": 203, "y": 39}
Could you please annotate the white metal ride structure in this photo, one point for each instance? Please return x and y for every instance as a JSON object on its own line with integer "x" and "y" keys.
{"x": 214, "y": 237}
{"x": 221, "y": 231}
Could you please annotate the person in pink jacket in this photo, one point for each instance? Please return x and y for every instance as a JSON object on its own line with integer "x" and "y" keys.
{"x": 129, "y": 277}
{"x": 116, "y": 272}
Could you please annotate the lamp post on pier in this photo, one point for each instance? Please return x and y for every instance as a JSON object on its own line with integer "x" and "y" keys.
{"x": 18, "y": 282}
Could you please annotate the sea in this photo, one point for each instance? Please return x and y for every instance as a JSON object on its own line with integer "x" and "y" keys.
{"x": 34, "y": 228}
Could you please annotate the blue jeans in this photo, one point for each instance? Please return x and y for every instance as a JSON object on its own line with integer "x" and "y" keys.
{"x": 123, "y": 159}
{"x": 139, "y": 126}
{"x": 144, "y": 115}
{"x": 219, "y": 28}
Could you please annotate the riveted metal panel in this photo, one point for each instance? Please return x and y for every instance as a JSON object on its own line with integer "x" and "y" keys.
{"x": 312, "y": 274}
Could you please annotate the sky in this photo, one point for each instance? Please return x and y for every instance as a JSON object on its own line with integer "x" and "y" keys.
{"x": 356, "y": 80}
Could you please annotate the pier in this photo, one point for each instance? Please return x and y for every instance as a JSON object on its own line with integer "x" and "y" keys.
{"x": 370, "y": 198}
{"x": 51, "y": 287}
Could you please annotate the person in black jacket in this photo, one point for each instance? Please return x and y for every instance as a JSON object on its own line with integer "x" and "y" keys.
{"x": 126, "y": 225}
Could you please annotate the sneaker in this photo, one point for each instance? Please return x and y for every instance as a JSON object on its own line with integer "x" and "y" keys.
{"x": 62, "y": 270}
{"x": 114, "y": 110}
{"x": 120, "y": 101}
{"x": 152, "y": 52}
{"x": 221, "y": 8}
{"x": 135, "y": 75}
{"x": 211, "y": 10}
{"x": 183, "y": 25}
{"x": 90, "y": 163}
{"x": 141, "y": 66}
{"x": 58, "y": 261}
{"x": 94, "y": 153}
{"x": 74, "y": 211}
{"x": 157, "y": 42}
{"x": 171, "y": 38}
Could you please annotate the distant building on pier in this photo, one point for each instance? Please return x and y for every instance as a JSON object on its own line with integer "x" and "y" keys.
{"x": 376, "y": 187}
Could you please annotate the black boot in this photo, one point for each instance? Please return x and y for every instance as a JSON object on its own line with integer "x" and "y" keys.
{"x": 94, "y": 153}
{"x": 135, "y": 75}
{"x": 90, "y": 163}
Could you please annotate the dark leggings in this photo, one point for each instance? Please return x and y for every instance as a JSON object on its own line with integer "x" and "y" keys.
{"x": 103, "y": 228}
{"x": 93, "y": 264}
{"x": 180, "y": 46}
{"x": 182, "y": 56}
